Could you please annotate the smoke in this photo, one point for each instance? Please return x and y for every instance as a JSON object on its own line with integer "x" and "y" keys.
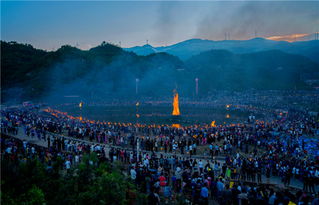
{"x": 241, "y": 20}
{"x": 96, "y": 80}
{"x": 165, "y": 24}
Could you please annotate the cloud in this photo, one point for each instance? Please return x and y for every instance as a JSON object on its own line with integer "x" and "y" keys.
{"x": 242, "y": 19}
{"x": 289, "y": 38}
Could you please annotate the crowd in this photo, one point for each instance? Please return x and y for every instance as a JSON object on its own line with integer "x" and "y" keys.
{"x": 161, "y": 159}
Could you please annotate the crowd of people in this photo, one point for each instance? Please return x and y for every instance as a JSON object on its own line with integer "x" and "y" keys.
{"x": 165, "y": 160}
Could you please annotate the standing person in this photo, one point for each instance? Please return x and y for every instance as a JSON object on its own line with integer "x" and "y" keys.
{"x": 133, "y": 174}
{"x": 259, "y": 175}
{"x": 167, "y": 193}
{"x": 49, "y": 142}
{"x": 204, "y": 195}
{"x": 178, "y": 174}
{"x": 68, "y": 165}
{"x": 316, "y": 200}
{"x": 162, "y": 180}
{"x": 200, "y": 166}
{"x": 153, "y": 198}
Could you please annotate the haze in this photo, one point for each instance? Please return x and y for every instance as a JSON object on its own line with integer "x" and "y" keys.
{"x": 48, "y": 25}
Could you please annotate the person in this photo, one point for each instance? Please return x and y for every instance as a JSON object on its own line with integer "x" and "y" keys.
{"x": 67, "y": 165}
{"x": 316, "y": 200}
{"x": 204, "y": 195}
{"x": 201, "y": 166}
{"x": 259, "y": 175}
{"x": 226, "y": 195}
{"x": 153, "y": 198}
{"x": 133, "y": 174}
{"x": 162, "y": 181}
{"x": 272, "y": 198}
{"x": 167, "y": 193}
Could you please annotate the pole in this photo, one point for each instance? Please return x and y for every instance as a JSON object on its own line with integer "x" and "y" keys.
{"x": 136, "y": 85}
{"x": 196, "y": 81}
{"x": 137, "y": 149}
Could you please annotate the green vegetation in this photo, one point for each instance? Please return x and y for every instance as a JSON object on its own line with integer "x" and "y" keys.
{"x": 32, "y": 183}
{"x": 109, "y": 71}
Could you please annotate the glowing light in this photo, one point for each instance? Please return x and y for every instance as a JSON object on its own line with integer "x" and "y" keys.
{"x": 176, "y": 125}
{"x": 213, "y": 124}
{"x": 80, "y": 104}
{"x": 289, "y": 38}
{"x": 175, "y": 104}
{"x": 227, "y": 116}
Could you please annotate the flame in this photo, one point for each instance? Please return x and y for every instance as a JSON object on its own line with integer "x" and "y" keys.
{"x": 213, "y": 124}
{"x": 176, "y": 125}
{"x": 80, "y": 104}
{"x": 289, "y": 38}
{"x": 175, "y": 104}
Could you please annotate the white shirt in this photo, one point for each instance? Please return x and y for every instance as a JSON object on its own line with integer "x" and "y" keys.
{"x": 133, "y": 174}
{"x": 67, "y": 164}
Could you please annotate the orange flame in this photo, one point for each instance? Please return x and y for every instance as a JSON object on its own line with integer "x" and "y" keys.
{"x": 175, "y": 104}
{"x": 213, "y": 124}
{"x": 176, "y": 125}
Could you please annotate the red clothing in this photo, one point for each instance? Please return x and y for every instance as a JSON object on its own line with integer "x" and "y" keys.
{"x": 162, "y": 180}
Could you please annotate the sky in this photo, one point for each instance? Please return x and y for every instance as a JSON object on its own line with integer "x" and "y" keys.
{"x": 50, "y": 24}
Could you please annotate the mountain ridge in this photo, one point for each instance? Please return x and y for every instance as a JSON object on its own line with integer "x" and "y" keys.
{"x": 107, "y": 70}
{"x": 191, "y": 47}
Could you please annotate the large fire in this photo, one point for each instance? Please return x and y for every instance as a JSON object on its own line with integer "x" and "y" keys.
{"x": 175, "y": 104}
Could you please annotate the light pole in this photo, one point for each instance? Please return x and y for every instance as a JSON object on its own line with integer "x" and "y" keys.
{"x": 136, "y": 85}
{"x": 137, "y": 149}
{"x": 196, "y": 89}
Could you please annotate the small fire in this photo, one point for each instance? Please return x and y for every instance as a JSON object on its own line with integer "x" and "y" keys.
{"x": 176, "y": 125}
{"x": 80, "y": 104}
{"x": 213, "y": 124}
{"x": 175, "y": 104}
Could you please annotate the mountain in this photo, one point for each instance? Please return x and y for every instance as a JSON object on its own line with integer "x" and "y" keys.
{"x": 143, "y": 50}
{"x": 273, "y": 69}
{"x": 107, "y": 71}
{"x": 103, "y": 71}
{"x": 189, "y": 48}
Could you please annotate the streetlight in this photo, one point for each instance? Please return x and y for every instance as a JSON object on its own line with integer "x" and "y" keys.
{"x": 136, "y": 85}
{"x": 196, "y": 81}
